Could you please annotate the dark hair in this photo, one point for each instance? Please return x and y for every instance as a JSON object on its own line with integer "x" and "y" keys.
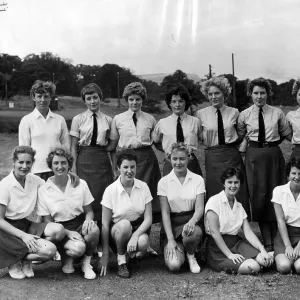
{"x": 125, "y": 154}
{"x": 230, "y": 172}
{"x": 178, "y": 90}
{"x": 90, "y": 89}
{"x": 293, "y": 162}
{"x": 261, "y": 82}
{"x": 42, "y": 87}
{"x": 23, "y": 150}
{"x": 135, "y": 88}
{"x": 59, "y": 152}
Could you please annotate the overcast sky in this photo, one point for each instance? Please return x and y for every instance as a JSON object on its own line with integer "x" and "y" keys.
{"x": 160, "y": 36}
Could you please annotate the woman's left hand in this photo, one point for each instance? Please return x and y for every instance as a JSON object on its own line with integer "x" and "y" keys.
{"x": 75, "y": 180}
{"x": 189, "y": 227}
{"x": 267, "y": 258}
{"x": 132, "y": 244}
{"x": 87, "y": 226}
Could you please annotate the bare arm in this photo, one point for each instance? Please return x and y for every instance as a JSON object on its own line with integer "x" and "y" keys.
{"x": 147, "y": 220}
{"x": 74, "y": 149}
{"x": 251, "y": 237}
{"x": 112, "y": 145}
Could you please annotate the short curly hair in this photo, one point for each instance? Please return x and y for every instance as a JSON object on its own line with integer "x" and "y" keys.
{"x": 221, "y": 82}
{"x": 23, "y": 150}
{"x": 128, "y": 154}
{"x": 230, "y": 172}
{"x": 178, "y": 90}
{"x": 42, "y": 87}
{"x": 179, "y": 147}
{"x": 296, "y": 87}
{"x": 135, "y": 88}
{"x": 261, "y": 82}
{"x": 59, "y": 152}
{"x": 90, "y": 89}
{"x": 293, "y": 162}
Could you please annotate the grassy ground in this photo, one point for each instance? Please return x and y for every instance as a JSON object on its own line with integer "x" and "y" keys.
{"x": 150, "y": 278}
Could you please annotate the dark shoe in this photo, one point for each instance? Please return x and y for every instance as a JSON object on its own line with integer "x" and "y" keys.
{"x": 123, "y": 271}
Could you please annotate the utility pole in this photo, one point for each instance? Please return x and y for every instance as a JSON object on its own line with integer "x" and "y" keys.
{"x": 233, "y": 83}
{"x": 209, "y": 71}
{"x": 53, "y": 77}
{"x": 118, "y": 81}
{"x": 4, "y": 5}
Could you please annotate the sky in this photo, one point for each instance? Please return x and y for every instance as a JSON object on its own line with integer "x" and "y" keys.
{"x": 160, "y": 36}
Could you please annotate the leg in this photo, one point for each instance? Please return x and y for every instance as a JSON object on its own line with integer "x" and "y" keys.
{"x": 54, "y": 232}
{"x": 260, "y": 260}
{"x": 283, "y": 264}
{"x": 248, "y": 267}
{"x": 46, "y": 252}
{"x": 174, "y": 265}
{"x": 143, "y": 243}
{"x": 121, "y": 233}
{"x": 297, "y": 265}
{"x": 266, "y": 232}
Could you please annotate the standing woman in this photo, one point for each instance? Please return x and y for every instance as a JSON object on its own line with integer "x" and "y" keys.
{"x": 265, "y": 127}
{"x": 132, "y": 130}
{"x": 178, "y": 128}
{"x": 89, "y": 137}
{"x": 22, "y": 241}
{"x": 181, "y": 196}
{"x": 218, "y": 126}
{"x": 293, "y": 118}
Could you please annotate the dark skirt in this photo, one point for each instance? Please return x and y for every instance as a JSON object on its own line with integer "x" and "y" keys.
{"x": 193, "y": 166}
{"x": 93, "y": 166}
{"x": 219, "y": 262}
{"x": 13, "y": 249}
{"x": 265, "y": 169}
{"x": 178, "y": 220}
{"x": 148, "y": 171}
{"x": 218, "y": 158}
{"x": 294, "y": 236}
{"x": 296, "y": 151}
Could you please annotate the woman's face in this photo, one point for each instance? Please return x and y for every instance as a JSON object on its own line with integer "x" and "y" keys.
{"x": 60, "y": 165}
{"x": 177, "y": 105}
{"x": 127, "y": 170}
{"x": 42, "y": 101}
{"x": 92, "y": 102}
{"x": 179, "y": 161}
{"x": 294, "y": 176}
{"x": 298, "y": 96}
{"x": 232, "y": 186}
{"x": 135, "y": 102}
{"x": 215, "y": 97}
{"x": 22, "y": 165}
{"x": 259, "y": 96}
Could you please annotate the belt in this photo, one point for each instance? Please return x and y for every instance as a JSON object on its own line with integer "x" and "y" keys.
{"x": 253, "y": 144}
{"x": 297, "y": 145}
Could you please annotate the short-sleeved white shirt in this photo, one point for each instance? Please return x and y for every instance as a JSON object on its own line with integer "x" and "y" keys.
{"x": 181, "y": 197}
{"x": 291, "y": 208}
{"x": 19, "y": 201}
{"x": 231, "y": 220}
{"x": 63, "y": 206}
{"x": 124, "y": 207}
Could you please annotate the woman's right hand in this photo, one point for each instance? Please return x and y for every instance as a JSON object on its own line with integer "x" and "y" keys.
{"x": 171, "y": 248}
{"x": 103, "y": 263}
{"x": 236, "y": 258}
{"x": 74, "y": 236}
{"x": 289, "y": 252}
{"x": 31, "y": 242}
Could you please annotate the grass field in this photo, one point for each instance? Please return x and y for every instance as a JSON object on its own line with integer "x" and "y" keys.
{"x": 150, "y": 278}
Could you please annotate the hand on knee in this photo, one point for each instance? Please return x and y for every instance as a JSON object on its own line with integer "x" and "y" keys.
{"x": 93, "y": 235}
{"x": 47, "y": 249}
{"x": 283, "y": 264}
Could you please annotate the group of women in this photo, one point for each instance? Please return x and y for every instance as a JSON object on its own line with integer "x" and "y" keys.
{"x": 80, "y": 198}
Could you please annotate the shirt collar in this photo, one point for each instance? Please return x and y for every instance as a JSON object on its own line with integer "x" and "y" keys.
{"x": 121, "y": 188}
{"x": 264, "y": 108}
{"x": 130, "y": 113}
{"x": 221, "y": 109}
{"x": 37, "y": 114}
{"x": 224, "y": 199}
{"x": 175, "y": 117}
{"x": 173, "y": 176}
{"x": 90, "y": 113}
{"x": 298, "y": 109}
{"x": 15, "y": 182}
{"x": 49, "y": 183}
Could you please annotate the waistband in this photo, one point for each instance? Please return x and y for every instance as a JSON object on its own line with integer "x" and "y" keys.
{"x": 253, "y": 144}
{"x": 90, "y": 148}
{"x": 297, "y": 145}
{"x": 231, "y": 145}
{"x": 143, "y": 148}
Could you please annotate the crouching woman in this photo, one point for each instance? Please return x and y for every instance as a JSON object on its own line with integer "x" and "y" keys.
{"x": 22, "y": 241}
{"x": 224, "y": 217}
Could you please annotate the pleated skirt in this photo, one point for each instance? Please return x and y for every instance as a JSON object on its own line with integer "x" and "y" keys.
{"x": 94, "y": 166}
{"x": 265, "y": 169}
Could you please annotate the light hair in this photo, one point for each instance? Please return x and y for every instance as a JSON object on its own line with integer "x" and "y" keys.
{"x": 220, "y": 82}
{"x": 42, "y": 87}
{"x": 135, "y": 88}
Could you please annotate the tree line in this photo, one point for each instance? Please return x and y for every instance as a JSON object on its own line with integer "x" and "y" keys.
{"x": 17, "y": 76}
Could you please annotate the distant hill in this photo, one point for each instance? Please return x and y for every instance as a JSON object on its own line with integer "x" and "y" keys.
{"x": 158, "y": 77}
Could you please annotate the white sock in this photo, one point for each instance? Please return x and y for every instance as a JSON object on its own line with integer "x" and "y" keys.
{"x": 86, "y": 259}
{"x": 121, "y": 259}
{"x": 190, "y": 256}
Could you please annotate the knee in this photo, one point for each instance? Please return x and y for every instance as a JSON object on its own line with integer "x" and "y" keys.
{"x": 173, "y": 265}
{"x": 283, "y": 266}
{"x": 143, "y": 242}
{"x": 249, "y": 266}
{"x": 55, "y": 232}
{"x": 93, "y": 235}
{"x": 47, "y": 249}
{"x": 194, "y": 238}
{"x": 75, "y": 248}
{"x": 297, "y": 266}
{"x": 122, "y": 228}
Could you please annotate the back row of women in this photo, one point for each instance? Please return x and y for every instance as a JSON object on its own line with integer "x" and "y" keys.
{"x": 259, "y": 128}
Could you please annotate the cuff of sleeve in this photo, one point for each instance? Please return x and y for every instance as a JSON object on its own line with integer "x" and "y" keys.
{"x": 74, "y": 133}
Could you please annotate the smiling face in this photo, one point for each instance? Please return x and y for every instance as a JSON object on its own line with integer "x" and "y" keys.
{"x": 127, "y": 170}
{"x": 22, "y": 165}
{"x": 60, "y": 165}
{"x": 42, "y": 101}
{"x": 179, "y": 161}
{"x": 135, "y": 102}
{"x": 92, "y": 102}
{"x": 215, "y": 97}
{"x": 177, "y": 105}
{"x": 259, "y": 96}
{"x": 294, "y": 176}
{"x": 232, "y": 186}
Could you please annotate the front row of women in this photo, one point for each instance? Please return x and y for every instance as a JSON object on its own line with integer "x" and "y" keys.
{"x": 68, "y": 225}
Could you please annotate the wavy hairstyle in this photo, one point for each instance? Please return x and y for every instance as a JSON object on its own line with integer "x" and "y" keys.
{"x": 135, "y": 88}
{"x": 59, "y": 152}
{"x": 293, "y": 162}
{"x": 178, "y": 90}
{"x": 127, "y": 154}
{"x": 261, "y": 82}
{"x": 42, "y": 87}
{"x": 230, "y": 172}
{"x": 221, "y": 82}
{"x": 296, "y": 87}
{"x": 23, "y": 150}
